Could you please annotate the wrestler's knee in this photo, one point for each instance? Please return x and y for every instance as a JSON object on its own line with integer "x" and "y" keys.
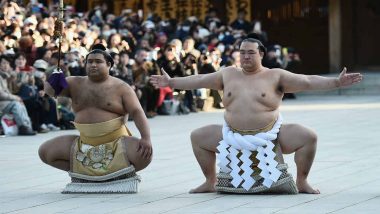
{"x": 56, "y": 149}
{"x": 142, "y": 163}
{"x": 306, "y": 134}
{"x": 294, "y": 136}
{"x": 131, "y": 144}
{"x": 195, "y": 135}
{"x": 312, "y": 137}
{"x": 136, "y": 158}
{"x": 42, "y": 152}
{"x": 204, "y": 133}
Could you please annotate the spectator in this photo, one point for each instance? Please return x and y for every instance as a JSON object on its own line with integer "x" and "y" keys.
{"x": 169, "y": 62}
{"x": 20, "y": 63}
{"x": 258, "y": 33}
{"x": 74, "y": 63}
{"x": 292, "y": 63}
{"x": 28, "y": 49}
{"x": 162, "y": 39}
{"x": 142, "y": 69}
{"x": 12, "y": 104}
{"x": 47, "y": 106}
{"x": 188, "y": 48}
{"x": 190, "y": 68}
{"x": 125, "y": 69}
{"x": 240, "y": 24}
{"x": 273, "y": 57}
{"x": 43, "y": 53}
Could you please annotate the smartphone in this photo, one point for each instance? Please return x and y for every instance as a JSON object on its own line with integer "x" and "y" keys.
{"x": 285, "y": 51}
{"x": 140, "y": 13}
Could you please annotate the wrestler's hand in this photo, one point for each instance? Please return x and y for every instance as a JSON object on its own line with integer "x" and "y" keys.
{"x": 345, "y": 79}
{"x": 160, "y": 81}
{"x": 145, "y": 148}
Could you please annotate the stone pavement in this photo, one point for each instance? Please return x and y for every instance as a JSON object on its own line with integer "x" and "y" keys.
{"x": 345, "y": 168}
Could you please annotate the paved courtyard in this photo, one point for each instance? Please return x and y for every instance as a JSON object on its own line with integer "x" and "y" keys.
{"x": 346, "y": 168}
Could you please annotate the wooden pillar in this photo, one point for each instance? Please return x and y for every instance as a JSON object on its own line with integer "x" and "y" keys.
{"x": 335, "y": 35}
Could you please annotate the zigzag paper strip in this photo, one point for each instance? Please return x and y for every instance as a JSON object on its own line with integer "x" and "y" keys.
{"x": 236, "y": 178}
{"x": 222, "y": 156}
{"x": 247, "y": 170}
{"x": 232, "y": 143}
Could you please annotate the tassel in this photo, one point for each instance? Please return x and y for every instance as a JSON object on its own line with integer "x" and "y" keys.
{"x": 58, "y": 82}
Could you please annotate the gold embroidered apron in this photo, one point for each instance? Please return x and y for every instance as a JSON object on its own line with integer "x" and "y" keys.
{"x": 100, "y": 149}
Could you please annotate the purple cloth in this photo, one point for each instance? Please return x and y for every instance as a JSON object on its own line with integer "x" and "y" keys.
{"x": 58, "y": 82}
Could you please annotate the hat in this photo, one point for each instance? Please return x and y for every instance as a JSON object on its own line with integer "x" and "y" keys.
{"x": 82, "y": 51}
{"x": 9, "y": 52}
{"x": 41, "y": 64}
{"x": 149, "y": 24}
{"x": 159, "y": 34}
{"x": 30, "y": 20}
{"x": 203, "y": 32}
{"x": 274, "y": 48}
{"x": 195, "y": 53}
{"x": 73, "y": 50}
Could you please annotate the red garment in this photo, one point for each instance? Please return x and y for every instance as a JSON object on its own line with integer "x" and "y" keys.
{"x": 211, "y": 46}
{"x": 30, "y": 54}
{"x": 163, "y": 92}
{"x": 27, "y": 69}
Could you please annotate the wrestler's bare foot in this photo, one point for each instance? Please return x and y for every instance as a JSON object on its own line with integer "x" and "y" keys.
{"x": 304, "y": 187}
{"x": 205, "y": 187}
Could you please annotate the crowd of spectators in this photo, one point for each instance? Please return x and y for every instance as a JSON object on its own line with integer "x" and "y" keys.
{"x": 139, "y": 47}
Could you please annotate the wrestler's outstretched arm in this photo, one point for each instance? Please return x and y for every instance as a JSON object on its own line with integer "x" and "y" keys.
{"x": 212, "y": 81}
{"x": 297, "y": 82}
{"x": 132, "y": 106}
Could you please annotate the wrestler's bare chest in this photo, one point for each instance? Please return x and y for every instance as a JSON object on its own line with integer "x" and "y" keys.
{"x": 242, "y": 91}
{"x": 102, "y": 96}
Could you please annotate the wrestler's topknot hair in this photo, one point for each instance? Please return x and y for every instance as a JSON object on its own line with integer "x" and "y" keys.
{"x": 262, "y": 48}
{"x": 98, "y": 46}
{"x": 100, "y": 49}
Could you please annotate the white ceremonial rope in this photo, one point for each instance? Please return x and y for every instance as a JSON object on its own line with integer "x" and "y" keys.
{"x": 232, "y": 143}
